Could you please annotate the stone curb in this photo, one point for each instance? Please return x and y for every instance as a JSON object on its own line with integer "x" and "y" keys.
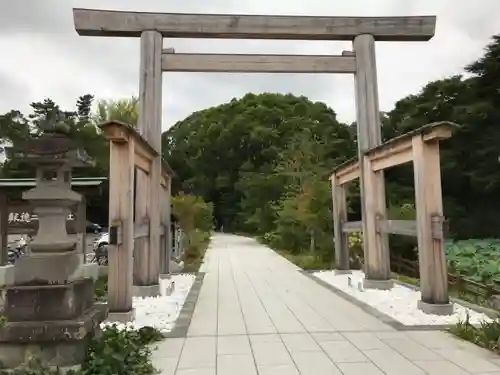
{"x": 374, "y": 312}
{"x": 493, "y": 314}
{"x": 184, "y": 319}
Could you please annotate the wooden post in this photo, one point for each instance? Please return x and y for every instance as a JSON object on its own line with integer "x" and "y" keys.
{"x": 168, "y": 223}
{"x": 4, "y": 214}
{"x": 433, "y": 270}
{"x": 121, "y": 201}
{"x": 166, "y": 243}
{"x": 339, "y": 201}
{"x": 373, "y": 203}
{"x": 141, "y": 244}
{"x": 150, "y": 128}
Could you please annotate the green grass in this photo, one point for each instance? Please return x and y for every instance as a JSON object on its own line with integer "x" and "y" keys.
{"x": 306, "y": 261}
{"x": 487, "y": 335}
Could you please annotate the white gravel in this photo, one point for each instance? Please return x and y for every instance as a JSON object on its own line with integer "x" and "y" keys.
{"x": 160, "y": 312}
{"x": 400, "y": 303}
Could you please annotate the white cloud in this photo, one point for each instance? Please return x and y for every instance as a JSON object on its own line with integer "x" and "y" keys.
{"x": 44, "y": 57}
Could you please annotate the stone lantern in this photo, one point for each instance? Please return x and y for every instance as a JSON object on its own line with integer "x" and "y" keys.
{"x": 50, "y": 307}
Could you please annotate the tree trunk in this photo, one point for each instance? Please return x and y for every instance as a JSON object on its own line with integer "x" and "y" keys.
{"x": 312, "y": 242}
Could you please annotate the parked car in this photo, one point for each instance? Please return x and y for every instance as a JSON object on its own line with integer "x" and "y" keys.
{"x": 93, "y": 228}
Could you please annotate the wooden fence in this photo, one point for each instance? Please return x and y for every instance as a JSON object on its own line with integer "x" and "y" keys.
{"x": 464, "y": 287}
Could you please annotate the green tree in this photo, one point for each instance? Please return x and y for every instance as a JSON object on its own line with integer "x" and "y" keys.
{"x": 470, "y": 159}
{"x": 16, "y": 128}
{"x": 228, "y": 154}
{"x": 124, "y": 110}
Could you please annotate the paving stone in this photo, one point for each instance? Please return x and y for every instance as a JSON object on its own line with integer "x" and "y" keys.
{"x": 241, "y": 364}
{"x": 360, "y": 369}
{"x": 299, "y": 342}
{"x": 314, "y": 363}
{"x": 257, "y": 314}
{"x": 233, "y": 345}
{"x": 279, "y": 370}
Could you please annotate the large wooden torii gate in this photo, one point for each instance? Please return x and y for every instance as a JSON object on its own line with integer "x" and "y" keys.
{"x": 362, "y": 31}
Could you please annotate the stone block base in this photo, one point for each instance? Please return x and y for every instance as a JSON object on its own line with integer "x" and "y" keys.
{"x": 342, "y": 272}
{"x": 146, "y": 290}
{"x": 435, "y": 308}
{"x": 56, "y": 343}
{"x": 121, "y": 317}
{"x": 29, "y": 303}
{"x": 378, "y": 284}
{"x": 48, "y": 268}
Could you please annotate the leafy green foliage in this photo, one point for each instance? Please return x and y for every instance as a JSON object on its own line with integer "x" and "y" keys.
{"x": 264, "y": 162}
{"x": 101, "y": 288}
{"x": 306, "y": 261}
{"x": 470, "y": 159}
{"x": 475, "y": 259}
{"x": 15, "y": 128}
{"x": 195, "y": 218}
{"x": 121, "y": 352}
{"x": 116, "y": 351}
{"x": 486, "y": 335}
{"x": 123, "y": 110}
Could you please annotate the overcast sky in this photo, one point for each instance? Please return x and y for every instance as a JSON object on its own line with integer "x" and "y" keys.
{"x": 42, "y": 56}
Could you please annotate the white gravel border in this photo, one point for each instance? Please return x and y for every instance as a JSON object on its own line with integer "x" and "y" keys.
{"x": 162, "y": 311}
{"x": 400, "y": 303}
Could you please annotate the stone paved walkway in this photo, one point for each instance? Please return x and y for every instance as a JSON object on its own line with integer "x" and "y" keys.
{"x": 257, "y": 315}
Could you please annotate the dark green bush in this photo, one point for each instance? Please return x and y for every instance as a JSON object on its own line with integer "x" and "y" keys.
{"x": 116, "y": 351}
{"x": 486, "y": 335}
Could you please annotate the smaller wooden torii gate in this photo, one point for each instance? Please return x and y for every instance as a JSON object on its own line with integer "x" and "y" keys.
{"x": 421, "y": 147}
{"x": 131, "y": 213}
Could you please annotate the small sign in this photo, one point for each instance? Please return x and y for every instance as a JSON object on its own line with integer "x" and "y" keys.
{"x": 21, "y": 219}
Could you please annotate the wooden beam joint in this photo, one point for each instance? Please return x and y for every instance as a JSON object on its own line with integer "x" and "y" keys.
{"x": 120, "y": 132}
{"x": 394, "y": 152}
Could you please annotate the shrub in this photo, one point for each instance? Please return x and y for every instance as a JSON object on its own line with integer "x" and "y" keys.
{"x": 116, "y": 351}
{"x": 355, "y": 243}
{"x": 306, "y": 261}
{"x": 101, "y": 288}
{"x": 486, "y": 335}
{"x": 123, "y": 351}
{"x": 474, "y": 259}
{"x": 196, "y": 221}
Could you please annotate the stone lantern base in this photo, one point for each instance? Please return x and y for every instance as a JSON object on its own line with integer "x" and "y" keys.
{"x": 52, "y": 322}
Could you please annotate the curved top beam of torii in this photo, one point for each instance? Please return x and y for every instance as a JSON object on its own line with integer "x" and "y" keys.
{"x": 94, "y": 22}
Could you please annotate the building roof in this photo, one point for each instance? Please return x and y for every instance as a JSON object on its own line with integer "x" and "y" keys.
{"x": 28, "y": 182}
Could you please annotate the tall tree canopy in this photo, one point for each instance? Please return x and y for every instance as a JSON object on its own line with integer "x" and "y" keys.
{"x": 470, "y": 159}
{"x": 125, "y": 110}
{"x": 15, "y": 127}
{"x": 241, "y": 155}
{"x": 264, "y": 159}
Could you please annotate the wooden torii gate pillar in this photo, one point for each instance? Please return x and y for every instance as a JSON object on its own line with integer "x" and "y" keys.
{"x": 132, "y": 164}
{"x": 363, "y": 31}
